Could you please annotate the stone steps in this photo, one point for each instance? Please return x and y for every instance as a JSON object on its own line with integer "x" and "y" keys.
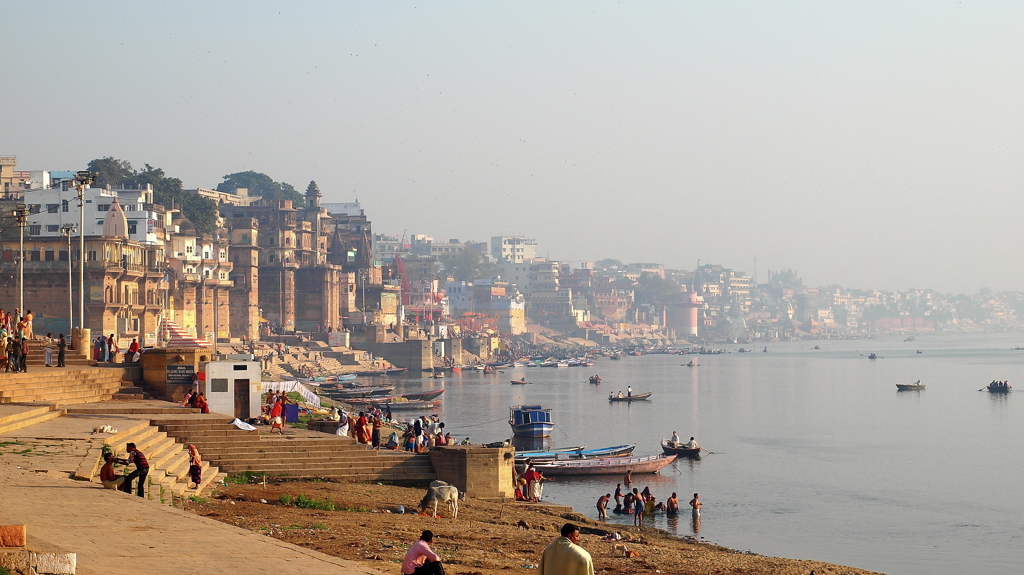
{"x": 168, "y": 462}
{"x": 235, "y": 450}
{"x": 60, "y": 386}
{"x": 32, "y": 415}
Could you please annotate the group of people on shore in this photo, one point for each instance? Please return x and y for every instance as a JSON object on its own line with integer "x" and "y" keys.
{"x": 105, "y": 349}
{"x": 530, "y": 484}
{"x": 196, "y": 399}
{"x": 642, "y": 504}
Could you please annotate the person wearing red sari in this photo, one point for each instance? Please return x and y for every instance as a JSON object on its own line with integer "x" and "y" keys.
{"x": 362, "y": 429}
{"x": 276, "y": 421}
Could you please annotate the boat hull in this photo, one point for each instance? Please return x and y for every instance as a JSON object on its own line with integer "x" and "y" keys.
{"x": 680, "y": 451}
{"x": 909, "y": 387}
{"x": 615, "y": 466}
{"x": 634, "y": 397}
{"x": 539, "y": 429}
{"x": 598, "y": 453}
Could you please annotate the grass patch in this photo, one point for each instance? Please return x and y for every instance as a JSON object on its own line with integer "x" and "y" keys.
{"x": 307, "y": 502}
{"x": 291, "y": 527}
{"x": 244, "y": 478}
{"x": 4, "y": 571}
{"x": 197, "y": 499}
{"x": 319, "y": 526}
{"x": 3, "y": 443}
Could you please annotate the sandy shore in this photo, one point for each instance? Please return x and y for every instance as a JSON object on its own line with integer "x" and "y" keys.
{"x": 485, "y": 539}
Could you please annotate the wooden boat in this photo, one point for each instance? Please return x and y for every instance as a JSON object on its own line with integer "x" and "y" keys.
{"x": 530, "y": 420}
{"x": 910, "y": 386}
{"x": 611, "y": 466}
{"x": 358, "y": 392}
{"x": 598, "y": 453}
{"x": 669, "y": 449}
{"x": 403, "y": 405}
{"x": 394, "y": 370}
{"x": 520, "y": 382}
{"x": 421, "y": 396}
{"x": 457, "y": 369}
{"x": 995, "y": 387}
{"x": 691, "y": 364}
{"x": 629, "y": 398}
{"x": 595, "y": 379}
{"x": 437, "y": 375}
{"x": 531, "y": 452}
{"x": 370, "y": 372}
{"x": 873, "y": 356}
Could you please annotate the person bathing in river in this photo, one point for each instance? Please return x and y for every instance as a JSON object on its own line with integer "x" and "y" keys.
{"x": 672, "y": 505}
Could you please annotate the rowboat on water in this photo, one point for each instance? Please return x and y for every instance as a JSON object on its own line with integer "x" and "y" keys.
{"x": 999, "y": 387}
{"x": 680, "y": 450}
{"x": 910, "y": 386}
{"x": 371, "y": 372}
{"x": 595, "y": 379}
{"x": 530, "y": 420}
{"x": 612, "y": 466}
{"x": 394, "y": 370}
{"x": 628, "y": 398}
{"x": 520, "y": 381}
{"x": 598, "y": 453}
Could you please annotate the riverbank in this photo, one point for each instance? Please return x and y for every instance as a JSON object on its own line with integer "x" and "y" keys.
{"x": 361, "y": 525}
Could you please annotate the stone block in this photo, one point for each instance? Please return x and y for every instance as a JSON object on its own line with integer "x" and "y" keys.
{"x": 54, "y": 563}
{"x": 14, "y": 560}
{"x": 12, "y": 535}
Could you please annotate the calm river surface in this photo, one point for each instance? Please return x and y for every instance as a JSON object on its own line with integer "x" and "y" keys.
{"x": 817, "y": 456}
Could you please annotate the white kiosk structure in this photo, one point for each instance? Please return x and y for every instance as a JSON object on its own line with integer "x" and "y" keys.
{"x": 233, "y": 388}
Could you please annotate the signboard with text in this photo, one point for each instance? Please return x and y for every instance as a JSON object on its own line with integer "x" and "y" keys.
{"x": 180, "y": 374}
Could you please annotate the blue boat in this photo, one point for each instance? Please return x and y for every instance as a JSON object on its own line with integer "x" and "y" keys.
{"x": 530, "y": 420}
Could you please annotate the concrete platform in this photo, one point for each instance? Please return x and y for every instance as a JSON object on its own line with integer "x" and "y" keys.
{"x": 114, "y": 533}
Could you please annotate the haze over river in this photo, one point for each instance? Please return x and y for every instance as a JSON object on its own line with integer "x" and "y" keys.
{"x": 817, "y": 456}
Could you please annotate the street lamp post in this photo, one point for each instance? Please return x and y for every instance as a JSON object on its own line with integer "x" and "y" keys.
{"x": 67, "y": 230}
{"x": 362, "y": 282}
{"x": 82, "y": 179}
{"x": 21, "y": 214}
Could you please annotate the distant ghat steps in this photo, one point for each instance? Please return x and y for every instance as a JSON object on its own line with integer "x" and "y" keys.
{"x": 302, "y": 456}
{"x": 61, "y": 386}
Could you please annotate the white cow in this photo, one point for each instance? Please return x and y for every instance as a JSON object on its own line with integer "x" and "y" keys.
{"x": 441, "y": 492}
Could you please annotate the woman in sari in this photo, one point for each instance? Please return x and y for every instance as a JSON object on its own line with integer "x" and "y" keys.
{"x": 195, "y": 465}
{"x": 362, "y": 429}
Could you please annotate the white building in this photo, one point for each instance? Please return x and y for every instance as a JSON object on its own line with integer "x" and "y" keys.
{"x": 53, "y": 203}
{"x": 514, "y": 249}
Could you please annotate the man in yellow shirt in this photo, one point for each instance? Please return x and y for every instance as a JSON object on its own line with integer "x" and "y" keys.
{"x": 564, "y": 556}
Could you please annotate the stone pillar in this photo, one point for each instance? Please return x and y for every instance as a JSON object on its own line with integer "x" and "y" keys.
{"x": 481, "y": 472}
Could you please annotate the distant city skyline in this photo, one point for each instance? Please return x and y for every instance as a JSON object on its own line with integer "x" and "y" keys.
{"x": 873, "y": 145}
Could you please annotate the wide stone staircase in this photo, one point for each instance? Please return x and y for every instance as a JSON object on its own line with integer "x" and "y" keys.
{"x": 304, "y": 454}
{"x": 14, "y": 417}
{"x": 168, "y": 461}
{"x": 61, "y": 386}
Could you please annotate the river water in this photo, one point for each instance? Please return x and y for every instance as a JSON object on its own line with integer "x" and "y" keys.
{"x": 816, "y": 454}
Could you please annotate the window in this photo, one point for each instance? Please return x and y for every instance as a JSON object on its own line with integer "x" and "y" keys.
{"x": 64, "y": 206}
{"x": 34, "y": 255}
{"x": 133, "y": 227}
{"x": 92, "y": 255}
{"x": 102, "y": 207}
{"x": 287, "y": 241}
{"x": 52, "y": 208}
{"x": 245, "y": 238}
{"x": 129, "y": 208}
{"x": 62, "y": 255}
{"x": 188, "y": 248}
{"x": 48, "y": 254}
{"x": 35, "y": 229}
{"x": 273, "y": 240}
{"x": 271, "y": 259}
{"x": 34, "y": 208}
{"x": 52, "y": 229}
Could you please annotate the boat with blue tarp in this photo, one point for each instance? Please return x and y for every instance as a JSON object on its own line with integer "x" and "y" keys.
{"x": 530, "y": 420}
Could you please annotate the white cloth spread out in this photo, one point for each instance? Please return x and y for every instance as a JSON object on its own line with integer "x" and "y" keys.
{"x": 242, "y": 425}
{"x": 289, "y": 386}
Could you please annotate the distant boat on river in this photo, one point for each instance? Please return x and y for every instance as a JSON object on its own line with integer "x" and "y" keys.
{"x": 910, "y": 386}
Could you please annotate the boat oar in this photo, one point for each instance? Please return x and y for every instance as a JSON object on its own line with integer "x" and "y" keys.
{"x": 708, "y": 450}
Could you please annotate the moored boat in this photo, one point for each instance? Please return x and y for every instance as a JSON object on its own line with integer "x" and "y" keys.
{"x": 611, "y": 466}
{"x": 628, "y": 398}
{"x": 595, "y": 379}
{"x": 414, "y": 404}
{"x": 680, "y": 449}
{"x": 910, "y": 386}
{"x": 520, "y": 381}
{"x": 598, "y": 453}
{"x": 530, "y": 420}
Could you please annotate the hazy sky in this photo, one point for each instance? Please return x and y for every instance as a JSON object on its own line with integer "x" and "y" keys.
{"x": 874, "y": 145}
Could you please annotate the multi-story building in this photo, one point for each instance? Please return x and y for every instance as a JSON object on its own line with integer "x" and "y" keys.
{"x": 513, "y": 249}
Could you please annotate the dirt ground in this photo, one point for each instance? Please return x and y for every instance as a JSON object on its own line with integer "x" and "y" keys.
{"x": 485, "y": 539}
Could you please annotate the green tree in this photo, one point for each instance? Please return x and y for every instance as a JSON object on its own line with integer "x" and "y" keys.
{"x": 167, "y": 191}
{"x": 653, "y": 289}
{"x": 263, "y": 186}
{"x": 111, "y": 171}
{"x": 468, "y": 265}
{"x": 608, "y": 264}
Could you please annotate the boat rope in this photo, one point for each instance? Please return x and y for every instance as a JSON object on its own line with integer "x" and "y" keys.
{"x": 460, "y": 426}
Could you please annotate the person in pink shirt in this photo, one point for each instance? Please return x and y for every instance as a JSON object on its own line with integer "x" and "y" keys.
{"x": 420, "y": 559}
